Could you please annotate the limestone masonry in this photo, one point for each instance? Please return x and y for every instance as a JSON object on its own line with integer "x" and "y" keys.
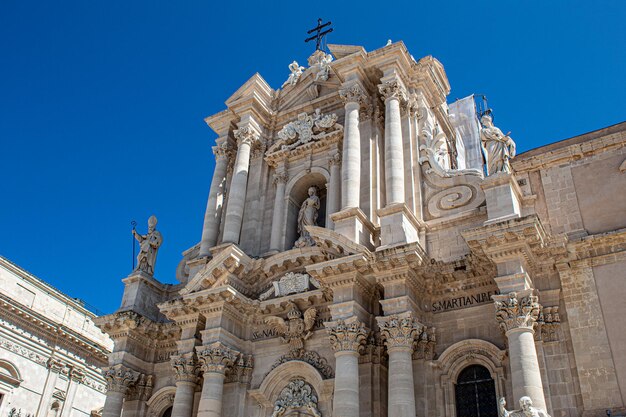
{"x": 51, "y": 352}
{"x": 370, "y": 250}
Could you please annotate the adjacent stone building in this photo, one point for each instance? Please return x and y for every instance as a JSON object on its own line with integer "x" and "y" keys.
{"x": 51, "y": 352}
{"x": 360, "y": 258}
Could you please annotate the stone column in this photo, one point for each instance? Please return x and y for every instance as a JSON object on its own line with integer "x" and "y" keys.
{"x": 392, "y": 92}
{"x": 353, "y": 96}
{"x": 516, "y": 313}
{"x": 77, "y": 376}
{"x": 55, "y": 367}
{"x": 214, "y": 361}
{"x": 346, "y": 339}
{"x": 399, "y": 333}
{"x": 238, "y": 184}
{"x": 333, "y": 197}
{"x": 187, "y": 369}
{"x": 213, "y": 213}
{"x": 119, "y": 379}
{"x": 280, "y": 180}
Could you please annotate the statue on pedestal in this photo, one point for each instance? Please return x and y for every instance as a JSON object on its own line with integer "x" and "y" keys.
{"x": 148, "y": 247}
{"x": 307, "y": 217}
{"x": 526, "y": 409}
{"x": 295, "y": 73}
{"x": 498, "y": 147}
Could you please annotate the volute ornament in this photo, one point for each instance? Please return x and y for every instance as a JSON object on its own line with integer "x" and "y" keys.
{"x": 516, "y": 310}
{"x": 347, "y": 336}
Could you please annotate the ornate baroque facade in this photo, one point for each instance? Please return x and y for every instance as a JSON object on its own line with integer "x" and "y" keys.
{"x": 51, "y": 352}
{"x": 358, "y": 258}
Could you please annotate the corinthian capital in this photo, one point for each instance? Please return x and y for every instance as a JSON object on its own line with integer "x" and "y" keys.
{"x": 120, "y": 378}
{"x": 223, "y": 150}
{"x": 353, "y": 94}
{"x": 280, "y": 178}
{"x": 346, "y": 337}
{"x": 392, "y": 89}
{"x": 516, "y": 310}
{"x": 186, "y": 367}
{"x": 399, "y": 330}
{"x": 246, "y": 135}
{"x": 216, "y": 358}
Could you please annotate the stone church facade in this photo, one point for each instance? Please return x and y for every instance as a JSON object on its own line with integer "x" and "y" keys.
{"x": 51, "y": 352}
{"x": 359, "y": 259}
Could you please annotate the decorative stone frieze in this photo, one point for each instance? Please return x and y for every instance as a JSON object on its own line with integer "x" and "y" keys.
{"x": 305, "y": 129}
{"x": 392, "y": 89}
{"x": 516, "y": 310}
{"x": 290, "y": 283}
{"x": 77, "y": 375}
{"x": 347, "y": 336}
{"x": 353, "y": 94}
{"x": 298, "y": 394}
{"x": 399, "y": 330}
{"x": 120, "y": 378}
{"x": 186, "y": 367}
{"x": 216, "y": 358}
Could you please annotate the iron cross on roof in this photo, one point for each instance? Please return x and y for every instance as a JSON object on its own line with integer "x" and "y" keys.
{"x": 319, "y": 35}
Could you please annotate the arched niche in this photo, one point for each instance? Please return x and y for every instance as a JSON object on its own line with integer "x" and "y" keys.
{"x": 275, "y": 381}
{"x": 9, "y": 374}
{"x": 296, "y": 191}
{"x": 161, "y": 401}
{"x": 462, "y": 354}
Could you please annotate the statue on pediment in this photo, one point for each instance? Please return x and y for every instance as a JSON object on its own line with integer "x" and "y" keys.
{"x": 148, "y": 247}
{"x": 499, "y": 148}
{"x": 296, "y": 72}
{"x": 307, "y": 216}
{"x": 320, "y": 63}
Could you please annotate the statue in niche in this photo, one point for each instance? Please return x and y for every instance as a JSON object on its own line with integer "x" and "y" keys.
{"x": 307, "y": 216}
{"x": 526, "y": 409}
{"x": 148, "y": 247}
{"x": 296, "y": 72}
{"x": 498, "y": 147}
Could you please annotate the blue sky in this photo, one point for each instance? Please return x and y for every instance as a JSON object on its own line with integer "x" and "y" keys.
{"x": 102, "y": 104}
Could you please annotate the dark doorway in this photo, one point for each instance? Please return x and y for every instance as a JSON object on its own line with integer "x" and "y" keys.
{"x": 475, "y": 393}
{"x": 167, "y": 413}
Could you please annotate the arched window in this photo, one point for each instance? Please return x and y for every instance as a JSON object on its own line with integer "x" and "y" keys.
{"x": 475, "y": 393}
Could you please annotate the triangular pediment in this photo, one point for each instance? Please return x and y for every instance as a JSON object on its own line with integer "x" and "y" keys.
{"x": 307, "y": 91}
{"x": 255, "y": 86}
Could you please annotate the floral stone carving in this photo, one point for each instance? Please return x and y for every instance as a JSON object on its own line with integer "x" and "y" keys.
{"x": 296, "y": 395}
{"x": 399, "y": 330}
{"x": 516, "y": 310}
{"x": 120, "y": 378}
{"x": 306, "y": 128}
{"x": 347, "y": 336}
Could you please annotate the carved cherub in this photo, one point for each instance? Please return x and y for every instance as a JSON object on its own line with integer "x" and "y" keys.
{"x": 296, "y": 329}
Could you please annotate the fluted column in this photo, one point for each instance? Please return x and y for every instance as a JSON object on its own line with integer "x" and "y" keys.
{"x": 346, "y": 340}
{"x": 119, "y": 379}
{"x": 213, "y": 213}
{"x": 237, "y": 194}
{"x": 392, "y": 92}
{"x": 399, "y": 333}
{"x": 186, "y": 368}
{"x": 353, "y": 96}
{"x": 280, "y": 180}
{"x": 516, "y": 313}
{"x": 333, "y": 197}
{"x": 214, "y": 360}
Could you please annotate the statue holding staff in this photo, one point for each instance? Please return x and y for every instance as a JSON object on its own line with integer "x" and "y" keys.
{"x": 148, "y": 247}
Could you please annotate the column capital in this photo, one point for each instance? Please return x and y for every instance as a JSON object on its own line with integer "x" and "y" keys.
{"x": 223, "y": 150}
{"x": 216, "y": 358}
{"x": 120, "y": 378}
{"x": 353, "y": 94}
{"x": 186, "y": 367}
{"x": 399, "y": 330}
{"x": 335, "y": 159}
{"x": 393, "y": 89}
{"x": 77, "y": 375}
{"x": 246, "y": 135}
{"x": 56, "y": 365}
{"x": 516, "y": 310}
{"x": 346, "y": 337}
{"x": 280, "y": 178}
